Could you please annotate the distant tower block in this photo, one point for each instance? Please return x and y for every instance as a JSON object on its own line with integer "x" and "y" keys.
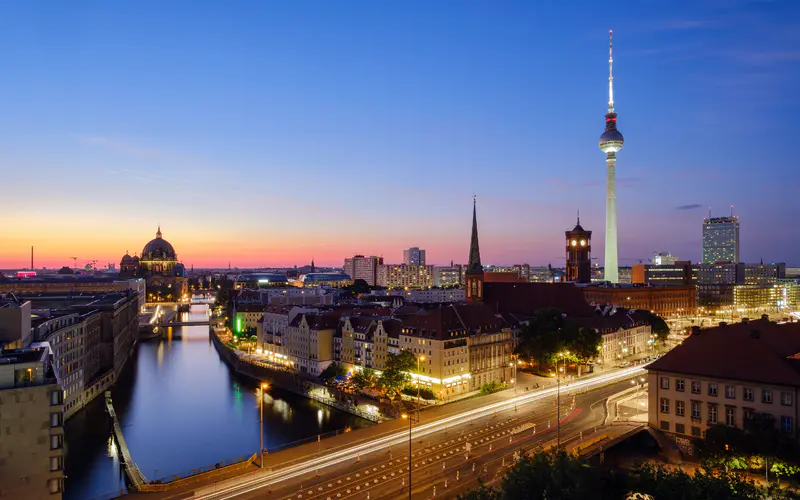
{"x": 610, "y": 142}
{"x": 579, "y": 254}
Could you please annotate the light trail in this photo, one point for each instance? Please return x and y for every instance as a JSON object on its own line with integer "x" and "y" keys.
{"x": 400, "y": 437}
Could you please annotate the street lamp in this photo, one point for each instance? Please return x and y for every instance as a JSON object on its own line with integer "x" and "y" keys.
{"x": 558, "y": 402}
{"x": 411, "y": 419}
{"x": 264, "y": 387}
{"x": 514, "y": 365}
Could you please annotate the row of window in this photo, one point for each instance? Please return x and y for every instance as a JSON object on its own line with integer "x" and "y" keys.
{"x": 787, "y": 422}
{"x": 748, "y": 393}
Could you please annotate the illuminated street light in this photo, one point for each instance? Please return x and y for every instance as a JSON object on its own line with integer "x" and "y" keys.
{"x": 264, "y": 387}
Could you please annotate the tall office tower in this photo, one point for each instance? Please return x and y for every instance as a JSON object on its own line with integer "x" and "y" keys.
{"x": 579, "y": 250}
{"x": 720, "y": 239}
{"x": 414, "y": 257}
{"x": 610, "y": 142}
{"x": 474, "y": 273}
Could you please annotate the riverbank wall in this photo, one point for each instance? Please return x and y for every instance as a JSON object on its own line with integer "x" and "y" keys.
{"x": 286, "y": 380}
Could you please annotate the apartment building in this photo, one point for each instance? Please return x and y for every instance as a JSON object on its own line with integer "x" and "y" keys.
{"x": 309, "y": 342}
{"x": 367, "y": 341}
{"x": 402, "y": 276}
{"x": 364, "y": 268}
{"x": 247, "y": 318}
{"x": 465, "y": 346}
{"x": 31, "y": 425}
{"x": 626, "y": 334}
{"x": 736, "y": 375}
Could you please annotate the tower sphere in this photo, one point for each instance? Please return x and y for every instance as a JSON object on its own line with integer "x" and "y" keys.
{"x": 611, "y": 141}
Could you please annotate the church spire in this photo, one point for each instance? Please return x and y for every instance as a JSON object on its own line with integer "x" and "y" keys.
{"x": 158, "y": 233}
{"x": 474, "y": 266}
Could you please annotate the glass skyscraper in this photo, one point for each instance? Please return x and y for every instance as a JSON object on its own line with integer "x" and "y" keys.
{"x": 720, "y": 239}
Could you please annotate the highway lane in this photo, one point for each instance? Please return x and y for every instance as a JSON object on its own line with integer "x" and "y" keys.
{"x": 308, "y": 470}
{"x": 443, "y": 463}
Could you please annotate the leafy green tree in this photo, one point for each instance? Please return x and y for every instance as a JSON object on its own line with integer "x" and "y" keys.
{"x": 705, "y": 484}
{"x": 396, "y": 375}
{"x": 332, "y": 371}
{"x": 658, "y": 326}
{"x": 364, "y": 379}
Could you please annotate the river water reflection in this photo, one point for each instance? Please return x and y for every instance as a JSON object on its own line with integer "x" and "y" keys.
{"x": 181, "y": 408}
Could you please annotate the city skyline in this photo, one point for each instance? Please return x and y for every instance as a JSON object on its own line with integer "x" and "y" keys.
{"x": 211, "y": 129}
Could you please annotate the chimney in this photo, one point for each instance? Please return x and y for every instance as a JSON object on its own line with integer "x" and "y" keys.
{"x": 745, "y": 321}
{"x": 723, "y": 323}
{"x": 765, "y": 317}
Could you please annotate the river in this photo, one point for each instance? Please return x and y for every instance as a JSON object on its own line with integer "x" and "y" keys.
{"x": 181, "y": 408}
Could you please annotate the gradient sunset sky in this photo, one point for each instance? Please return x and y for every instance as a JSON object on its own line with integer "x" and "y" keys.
{"x": 271, "y": 133}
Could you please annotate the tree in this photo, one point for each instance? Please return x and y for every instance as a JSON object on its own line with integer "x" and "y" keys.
{"x": 364, "y": 379}
{"x": 585, "y": 345}
{"x": 332, "y": 371}
{"x": 396, "y": 375}
{"x": 658, "y": 326}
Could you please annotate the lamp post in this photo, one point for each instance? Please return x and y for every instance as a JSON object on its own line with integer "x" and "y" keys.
{"x": 558, "y": 403}
{"x": 513, "y": 364}
{"x": 411, "y": 419}
{"x": 264, "y": 387}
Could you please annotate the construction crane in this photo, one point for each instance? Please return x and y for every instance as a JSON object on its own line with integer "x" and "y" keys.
{"x": 74, "y": 262}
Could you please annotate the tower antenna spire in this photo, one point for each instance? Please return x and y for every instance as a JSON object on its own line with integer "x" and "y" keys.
{"x": 579, "y": 216}
{"x": 610, "y": 72}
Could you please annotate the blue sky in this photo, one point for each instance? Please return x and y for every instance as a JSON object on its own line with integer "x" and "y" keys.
{"x": 268, "y": 133}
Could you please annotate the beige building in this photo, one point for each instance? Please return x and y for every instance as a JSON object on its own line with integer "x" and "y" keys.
{"x": 248, "y": 318}
{"x": 626, "y": 334}
{"x": 403, "y": 275}
{"x": 309, "y": 342}
{"x": 465, "y": 346}
{"x": 31, "y": 426}
{"x": 732, "y": 374}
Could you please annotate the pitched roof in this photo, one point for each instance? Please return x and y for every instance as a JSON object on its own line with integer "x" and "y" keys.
{"x": 527, "y": 298}
{"x": 758, "y": 351}
{"x": 440, "y": 321}
{"x": 622, "y": 318}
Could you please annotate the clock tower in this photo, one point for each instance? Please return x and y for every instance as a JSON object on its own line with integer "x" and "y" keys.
{"x": 579, "y": 254}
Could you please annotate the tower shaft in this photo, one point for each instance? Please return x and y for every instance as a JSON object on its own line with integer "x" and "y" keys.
{"x": 611, "y": 269}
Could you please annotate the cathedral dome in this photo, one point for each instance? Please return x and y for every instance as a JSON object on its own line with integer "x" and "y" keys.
{"x": 158, "y": 249}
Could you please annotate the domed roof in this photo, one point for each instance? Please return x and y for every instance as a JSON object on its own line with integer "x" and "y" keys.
{"x": 127, "y": 258}
{"x": 158, "y": 249}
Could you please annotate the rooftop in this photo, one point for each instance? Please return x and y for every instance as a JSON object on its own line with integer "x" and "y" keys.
{"x": 757, "y": 351}
{"x": 526, "y": 298}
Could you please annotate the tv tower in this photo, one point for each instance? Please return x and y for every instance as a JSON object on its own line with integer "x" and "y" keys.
{"x": 610, "y": 142}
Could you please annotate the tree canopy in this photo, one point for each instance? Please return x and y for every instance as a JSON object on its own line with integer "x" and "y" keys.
{"x": 658, "y": 326}
{"x": 550, "y": 332}
{"x": 562, "y": 476}
{"x": 396, "y": 375}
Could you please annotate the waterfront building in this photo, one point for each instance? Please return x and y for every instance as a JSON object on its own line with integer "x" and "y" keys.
{"x": 74, "y": 284}
{"x": 247, "y": 317}
{"x": 579, "y": 254}
{"x": 364, "y": 268}
{"x": 721, "y": 239}
{"x": 309, "y": 342}
{"x": 414, "y": 256}
{"x": 31, "y": 422}
{"x": 610, "y": 143}
{"x": 465, "y": 347}
{"x": 404, "y": 276}
{"x": 738, "y": 375}
{"x": 159, "y": 266}
{"x": 447, "y": 276}
{"x": 665, "y": 301}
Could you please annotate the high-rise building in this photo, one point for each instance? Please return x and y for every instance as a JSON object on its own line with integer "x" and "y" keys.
{"x": 402, "y": 276}
{"x": 579, "y": 250}
{"x": 414, "y": 256}
{"x": 610, "y": 143}
{"x": 721, "y": 239}
{"x": 363, "y": 268}
{"x": 447, "y": 275}
{"x": 664, "y": 259}
{"x": 474, "y": 272}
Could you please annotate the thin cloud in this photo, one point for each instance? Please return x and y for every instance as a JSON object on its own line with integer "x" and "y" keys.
{"x": 693, "y": 206}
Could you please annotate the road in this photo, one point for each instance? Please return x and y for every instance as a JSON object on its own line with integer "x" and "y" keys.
{"x": 379, "y": 468}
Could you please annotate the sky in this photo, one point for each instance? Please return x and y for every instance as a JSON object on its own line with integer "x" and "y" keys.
{"x": 268, "y": 133}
